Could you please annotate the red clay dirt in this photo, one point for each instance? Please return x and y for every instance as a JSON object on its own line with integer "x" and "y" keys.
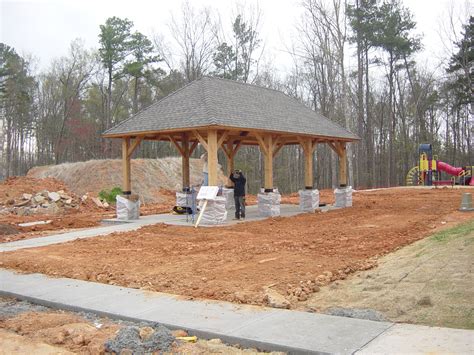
{"x": 291, "y": 255}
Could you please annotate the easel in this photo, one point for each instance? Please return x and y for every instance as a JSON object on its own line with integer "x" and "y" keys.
{"x": 206, "y": 193}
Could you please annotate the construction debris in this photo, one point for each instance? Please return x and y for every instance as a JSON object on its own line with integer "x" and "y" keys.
{"x": 43, "y": 202}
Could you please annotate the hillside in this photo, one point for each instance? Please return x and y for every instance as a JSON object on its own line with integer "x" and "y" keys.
{"x": 149, "y": 176}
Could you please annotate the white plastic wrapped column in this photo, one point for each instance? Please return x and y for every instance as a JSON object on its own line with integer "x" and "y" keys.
{"x": 343, "y": 197}
{"x": 309, "y": 200}
{"x": 269, "y": 204}
{"x": 228, "y": 194}
{"x": 215, "y": 212}
{"x": 126, "y": 209}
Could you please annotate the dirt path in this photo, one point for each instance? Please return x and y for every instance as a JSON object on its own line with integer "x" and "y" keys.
{"x": 430, "y": 282}
{"x": 291, "y": 255}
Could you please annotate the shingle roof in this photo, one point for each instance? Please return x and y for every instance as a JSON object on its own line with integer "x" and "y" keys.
{"x": 213, "y": 101}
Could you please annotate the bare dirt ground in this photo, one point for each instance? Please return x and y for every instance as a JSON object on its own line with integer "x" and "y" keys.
{"x": 87, "y": 214}
{"x": 30, "y": 329}
{"x": 430, "y": 282}
{"x": 292, "y": 256}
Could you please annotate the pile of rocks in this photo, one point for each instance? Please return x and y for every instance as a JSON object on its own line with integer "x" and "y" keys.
{"x": 43, "y": 202}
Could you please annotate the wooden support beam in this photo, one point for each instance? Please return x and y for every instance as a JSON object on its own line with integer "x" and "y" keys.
{"x": 308, "y": 149}
{"x": 134, "y": 146}
{"x": 201, "y": 139}
{"x": 268, "y": 144}
{"x": 176, "y": 144}
{"x": 222, "y": 138}
{"x": 185, "y": 159}
{"x": 332, "y": 145}
{"x": 126, "y": 170}
{"x": 262, "y": 143}
{"x": 277, "y": 149}
{"x": 212, "y": 148}
{"x": 193, "y": 147}
{"x": 342, "y": 163}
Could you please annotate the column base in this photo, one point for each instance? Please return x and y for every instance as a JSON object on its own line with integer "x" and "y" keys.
{"x": 343, "y": 197}
{"x": 215, "y": 212}
{"x": 269, "y": 204}
{"x": 309, "y": 200}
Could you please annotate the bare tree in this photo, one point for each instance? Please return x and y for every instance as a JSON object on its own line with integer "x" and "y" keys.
{"x": 194, "y": 34}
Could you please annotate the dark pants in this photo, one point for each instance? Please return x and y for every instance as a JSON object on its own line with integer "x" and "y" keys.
{"x": 239, "y": 206}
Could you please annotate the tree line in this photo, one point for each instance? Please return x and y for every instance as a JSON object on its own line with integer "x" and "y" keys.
{"x": 388, "y": 99}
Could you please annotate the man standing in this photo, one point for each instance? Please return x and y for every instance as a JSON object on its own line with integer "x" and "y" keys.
{"x": 239, "y": 193}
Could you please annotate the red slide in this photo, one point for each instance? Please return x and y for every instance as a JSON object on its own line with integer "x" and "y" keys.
{"x": 451, "y": 170}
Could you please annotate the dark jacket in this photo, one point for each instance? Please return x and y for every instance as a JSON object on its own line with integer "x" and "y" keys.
{"x": 239, "y": 184}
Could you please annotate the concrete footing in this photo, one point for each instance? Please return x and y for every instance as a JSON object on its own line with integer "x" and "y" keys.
{"x": 343, "y": 197}
{"x": 309, "y": 200}
{"x": 269, "y": 204}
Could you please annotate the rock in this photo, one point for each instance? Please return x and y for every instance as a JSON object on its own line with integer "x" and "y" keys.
{"x": 22, "y": 203}
{"x": 97, "y": 202}
{"x": 39, "y": 199}
{"x": 179, "y": 333}
{"x": 215, "y": 341}
{"x": 105, "y": 204}
{"x": 68, "y": 201}
{"x": 10, "y": 202}
{"x": 65, "y": 196}
{"x": 424, "y": 301}
{"x": 78, "y": 340}
{"x": 54, "y": 196}
{"x": 146, "y": 332}
{"x": 275, "y": 299}
{"x": 126, "y": 352}
{"x": 27, "y": 196}
{"x": 84, "y": 198}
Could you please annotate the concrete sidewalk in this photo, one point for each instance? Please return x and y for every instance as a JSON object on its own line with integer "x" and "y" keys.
{"x": 251, "y": 326}
{"x": 85, "y": 233}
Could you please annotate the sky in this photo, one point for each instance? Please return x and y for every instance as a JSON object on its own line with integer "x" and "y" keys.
{"x": 45, "y": 28}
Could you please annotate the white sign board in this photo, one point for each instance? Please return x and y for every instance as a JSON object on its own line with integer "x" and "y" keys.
{"x": 208, "y": 192}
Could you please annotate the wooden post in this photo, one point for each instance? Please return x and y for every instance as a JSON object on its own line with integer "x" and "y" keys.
{"x": 185, "y": 160}
{"x": 342, "y": 164}
{"x": 308, "y": 164}
{"x": 268, "y": 141}
{"x": 212, "y": 156}
{"x": 127, "y": 190}
{"x": 230, "y": 158}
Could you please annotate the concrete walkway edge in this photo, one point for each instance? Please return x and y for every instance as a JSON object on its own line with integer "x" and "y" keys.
{"x": 264, "y": 328}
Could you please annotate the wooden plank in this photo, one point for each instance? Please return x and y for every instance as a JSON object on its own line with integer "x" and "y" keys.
{"x": 212, "y": 156}
{"x": 236, "y": 148}
{"x": 204, "y": 205}
{"x": 185, "y": 159}
{"x": 126, "y": 170}
{"x": 201, "y": 139}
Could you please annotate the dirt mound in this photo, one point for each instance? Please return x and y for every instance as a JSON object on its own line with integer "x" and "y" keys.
{"x": 149, "y": 176}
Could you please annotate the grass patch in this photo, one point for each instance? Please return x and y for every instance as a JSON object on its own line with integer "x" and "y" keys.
{"x": 458, "y": 231}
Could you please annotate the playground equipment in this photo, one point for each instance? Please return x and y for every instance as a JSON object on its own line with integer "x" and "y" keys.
{"x": 428, "y": 171}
